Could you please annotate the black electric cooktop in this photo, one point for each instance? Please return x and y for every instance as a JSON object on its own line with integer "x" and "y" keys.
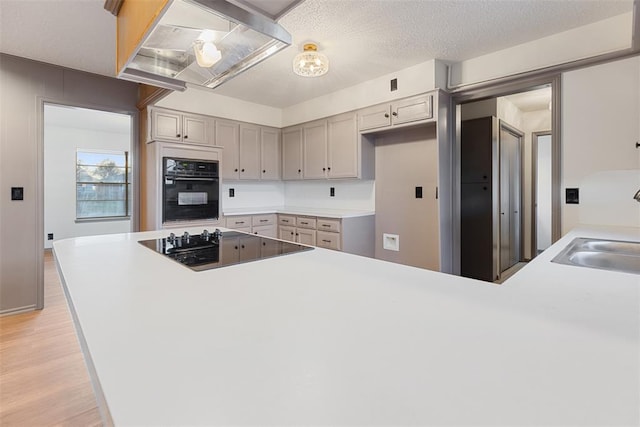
{"x": 207, "y": 250}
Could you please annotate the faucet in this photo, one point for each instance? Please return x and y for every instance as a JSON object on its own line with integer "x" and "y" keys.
{"x": 637, "y": 196}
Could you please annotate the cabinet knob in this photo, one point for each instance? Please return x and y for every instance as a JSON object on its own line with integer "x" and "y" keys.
{"x": 235, "y": 170}
{"x": 242, "y": 246}
{"x": 186, "y": 136}
{"x": 386, "y": 115}
{"x": 177, "y": 135}
{"x": 328, "y": 169}
{"x": 299, "y": 170}
{"x": 264, "y": 171}
{"x": 241, "y": 170}
{"x": 394, "y": 113}
{"x": 324, "y": 169}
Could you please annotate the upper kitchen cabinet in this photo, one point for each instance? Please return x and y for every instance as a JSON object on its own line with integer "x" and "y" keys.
{"x": 314, "y": 137}
{"x": 228, "y": 137}
{"x": 251, "y": 152}
{"x": 270, "y": 153}
{"x": 414, "y": 110}
{"x": 331, "y": 148}
{"x": 173, "y": 126}
{"x": 292, "y": 153}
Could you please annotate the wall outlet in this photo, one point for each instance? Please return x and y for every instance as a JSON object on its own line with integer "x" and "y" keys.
{"x": 232, "y": 192}
{"x": 391, "y": 242}
{"x": 332, "y": 192}
{"x": 50, "y": 236}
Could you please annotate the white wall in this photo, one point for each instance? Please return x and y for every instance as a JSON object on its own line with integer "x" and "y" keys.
{"x": 60, "y": 145}
{"x": 606, "y": 198}
{"x": 600, "y": 126}
{"x": 601, "y": 37}
{"x": 206, "y": 101}
{"x": 252, "y": 194}
{"x": 349, "y": 194}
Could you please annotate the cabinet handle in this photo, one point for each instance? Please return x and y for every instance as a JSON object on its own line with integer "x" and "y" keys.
{"x": 239, "y": 222}
{"x": 395, "y": 114}
{"x": 326, "y": 225}
{"x": 304, "y": 223}
{"x": 326, "y": 241}
{"x": 264, "y": 220}
{"x": 285, "y": 220}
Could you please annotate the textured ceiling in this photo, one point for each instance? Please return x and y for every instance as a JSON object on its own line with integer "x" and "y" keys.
{"x": 363, "y": 39}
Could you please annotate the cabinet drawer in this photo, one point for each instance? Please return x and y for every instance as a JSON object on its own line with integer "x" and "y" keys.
{"x": 287, "y": 220}
{"x": 328, "y": 240}
{"x": 263, "y": 219}
{"x": 306, "y": 222}
{"x": 325, "y": 224}
{"x": 238, "y": 221}
{"x": 266, "y": 230}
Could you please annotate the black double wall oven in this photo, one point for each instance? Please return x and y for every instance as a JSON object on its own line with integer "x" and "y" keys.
{"x": 190, "y": 190}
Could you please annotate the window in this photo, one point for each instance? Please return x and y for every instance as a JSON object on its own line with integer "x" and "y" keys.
{"x": 103, "y": 184}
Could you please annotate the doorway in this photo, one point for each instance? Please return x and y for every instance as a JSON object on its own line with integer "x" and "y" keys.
{"x": 528, "y": 108}
{"x": 542, "y": 187}
{"x": 88, "y": 172}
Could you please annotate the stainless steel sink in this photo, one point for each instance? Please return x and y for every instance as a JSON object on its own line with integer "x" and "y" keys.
{"x": 613, "y": 255}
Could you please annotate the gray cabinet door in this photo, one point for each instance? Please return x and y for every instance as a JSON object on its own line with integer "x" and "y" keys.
{"x": 412, "y": 110}
{"x": 270, "y": 154}
{"x": 378, "y": 116}
{"x": 292, "y": 153}
{"x": 314, "y": 153}
{"x": 342, "y": 146}
{"x": 166, "y": 126}
{"x": 227, "y": 137}
{"x": 249, "y": 150}
{"x": 194, "y": 129}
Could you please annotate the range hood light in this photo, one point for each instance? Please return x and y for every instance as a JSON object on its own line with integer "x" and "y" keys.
{"x": 207, "y": 54}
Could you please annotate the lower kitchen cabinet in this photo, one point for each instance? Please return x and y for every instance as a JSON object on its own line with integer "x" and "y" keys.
{"x": 353, "y": 234}
{"x": 263, "y": 225}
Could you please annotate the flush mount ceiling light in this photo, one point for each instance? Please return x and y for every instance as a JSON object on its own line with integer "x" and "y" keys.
{"x": 310, "y": 63}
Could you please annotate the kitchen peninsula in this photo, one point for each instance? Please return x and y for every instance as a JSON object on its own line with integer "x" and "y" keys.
{"x": 328, "y": 338}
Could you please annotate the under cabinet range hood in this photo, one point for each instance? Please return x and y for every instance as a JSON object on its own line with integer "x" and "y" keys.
{"x": 202, "y": 42}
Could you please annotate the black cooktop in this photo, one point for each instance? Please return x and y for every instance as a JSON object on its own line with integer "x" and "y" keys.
{"x": 207, "y": 250}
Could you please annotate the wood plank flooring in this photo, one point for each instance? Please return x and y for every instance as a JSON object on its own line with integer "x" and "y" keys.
{"x": 43, "y": 377}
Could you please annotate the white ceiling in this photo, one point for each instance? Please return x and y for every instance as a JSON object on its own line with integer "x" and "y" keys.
{"x": 533, "y": 100}
{"x": 363, "y": 39}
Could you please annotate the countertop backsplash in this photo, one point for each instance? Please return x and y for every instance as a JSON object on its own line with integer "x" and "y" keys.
{"x": 349, "y": 194}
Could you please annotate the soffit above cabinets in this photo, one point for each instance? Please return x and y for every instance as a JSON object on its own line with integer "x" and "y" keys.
{"x": 167, "y": 57}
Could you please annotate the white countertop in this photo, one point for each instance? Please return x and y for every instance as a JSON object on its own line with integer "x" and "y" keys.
{"x": 324, "y": 337}
{"x": 298, "y": 210}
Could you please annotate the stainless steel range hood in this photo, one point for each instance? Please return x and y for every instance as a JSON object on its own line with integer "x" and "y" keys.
{"x": 167, "y": 55}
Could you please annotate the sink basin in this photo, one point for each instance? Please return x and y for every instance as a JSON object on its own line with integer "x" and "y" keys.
{"x": 613, "y": 255}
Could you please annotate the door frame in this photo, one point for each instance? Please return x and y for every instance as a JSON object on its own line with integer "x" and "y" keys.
{"x": 534, "y": 189}
{"x": 494, "y": 91}
{"x": 135, "y": 172}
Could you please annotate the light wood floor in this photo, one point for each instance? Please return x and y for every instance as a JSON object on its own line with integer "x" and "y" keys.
{"x": 43, "y": 377}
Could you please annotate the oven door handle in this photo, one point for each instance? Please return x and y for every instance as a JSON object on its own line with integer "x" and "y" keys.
{"x": 190, "y": 179}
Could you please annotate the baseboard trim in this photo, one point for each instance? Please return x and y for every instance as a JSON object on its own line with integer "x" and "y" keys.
{"x": 17, "y": 310}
